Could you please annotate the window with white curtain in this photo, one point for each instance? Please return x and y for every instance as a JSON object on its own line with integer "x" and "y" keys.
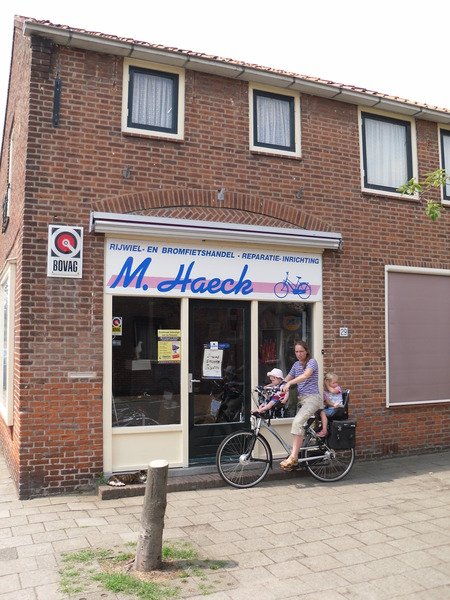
{"x": 275, "y": 122}
{"x": 445, "y": 160}
{"x": 153, "y": 99}
{"x": 387, "y": 152}
{"x": 7, "y": 286}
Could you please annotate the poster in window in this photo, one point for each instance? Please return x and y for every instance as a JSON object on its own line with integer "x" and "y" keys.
{"x": 212, "y": 363}
{"x": 169, "y": 346}
{"x": 117, "y": 323}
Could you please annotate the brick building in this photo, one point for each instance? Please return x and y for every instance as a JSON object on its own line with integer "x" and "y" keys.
{"x": 154, "y": 200}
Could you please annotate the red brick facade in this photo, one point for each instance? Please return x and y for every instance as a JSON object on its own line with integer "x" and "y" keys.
{"x": 62, "y": 174}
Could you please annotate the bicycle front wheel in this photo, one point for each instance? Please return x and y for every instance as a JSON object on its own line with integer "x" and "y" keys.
{"x": 281, "y": 289}
{"x": 243, "y": 459}
{"x": 329, "y": 465}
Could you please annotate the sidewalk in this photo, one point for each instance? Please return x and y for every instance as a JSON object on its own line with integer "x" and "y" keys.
{"x": 383, "y": 533}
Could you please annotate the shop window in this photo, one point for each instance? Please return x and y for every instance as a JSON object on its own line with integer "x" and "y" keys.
{"x": 153, "y": 100}
{"x": 146, "y": 357}
{"x": 7, "y": 286}
{"x": 445, "y": 161}
{"x": 280, "y": 325}
{"x": 386, "y": 152}
{"x": 275, "y": 122}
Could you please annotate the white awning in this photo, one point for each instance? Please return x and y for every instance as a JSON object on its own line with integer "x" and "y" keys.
{"x": 122, "y": 224}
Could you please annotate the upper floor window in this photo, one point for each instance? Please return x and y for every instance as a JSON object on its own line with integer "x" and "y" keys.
{"x": 387, "y": 155}
{"x": 445, "y": 161}
{"x": 275, "y": 121}
{"x": 7, "y": 286}
{"x": 153, "y": 100}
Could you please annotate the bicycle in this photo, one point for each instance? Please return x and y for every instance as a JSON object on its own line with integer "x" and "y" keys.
{"x": 301, "y": 288}
{"x": 244, "y": 458}
{"x": 127, "y": 416}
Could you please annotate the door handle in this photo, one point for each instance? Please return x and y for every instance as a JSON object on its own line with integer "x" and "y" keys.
{"x": 191, "y": 381}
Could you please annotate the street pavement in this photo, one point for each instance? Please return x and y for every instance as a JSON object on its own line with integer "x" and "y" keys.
{"x": 383, "y": 533}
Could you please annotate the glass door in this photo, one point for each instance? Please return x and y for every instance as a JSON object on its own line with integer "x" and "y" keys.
{"x": 219, "y": 374}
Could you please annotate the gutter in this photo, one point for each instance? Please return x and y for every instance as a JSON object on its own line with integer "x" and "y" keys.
{"x": 86, "y": 41}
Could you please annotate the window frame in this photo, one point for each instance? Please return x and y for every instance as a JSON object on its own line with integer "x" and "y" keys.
{"x": 393, "y": 270}
{"x": 173, "y": 73}
{"x": 141, "y": 324}
{"x": 444, "y": 132}
{"x": 411, "y": 151}
{"x": 6, "y": 396}
{"x": 294, "y": 151}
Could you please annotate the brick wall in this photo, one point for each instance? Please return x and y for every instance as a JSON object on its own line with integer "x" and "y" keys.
{"x": 77, "y": 167}
{"x": 16, "y": 121}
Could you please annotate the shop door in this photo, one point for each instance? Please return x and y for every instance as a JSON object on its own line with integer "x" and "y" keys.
{"x": 219, "y": 374}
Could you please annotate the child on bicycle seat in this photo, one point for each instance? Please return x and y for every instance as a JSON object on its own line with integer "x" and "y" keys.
{"x": 277, "y": 397}
{"x": 332, "y": 397}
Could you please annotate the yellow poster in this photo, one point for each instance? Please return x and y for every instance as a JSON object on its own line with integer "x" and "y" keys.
{"x": 169, "y": 345}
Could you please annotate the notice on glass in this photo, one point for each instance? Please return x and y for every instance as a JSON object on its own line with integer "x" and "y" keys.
{"x": 169, "y": 345}
{"x": 212, "y": 363}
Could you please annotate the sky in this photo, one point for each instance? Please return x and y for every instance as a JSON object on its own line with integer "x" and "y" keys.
{"x": 394, "y": 47}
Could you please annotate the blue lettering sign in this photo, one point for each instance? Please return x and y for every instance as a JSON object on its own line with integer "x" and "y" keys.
{"x": 168, "y": 286}
{"x": 129, "y": 275}
{"x": 200, "y": 285}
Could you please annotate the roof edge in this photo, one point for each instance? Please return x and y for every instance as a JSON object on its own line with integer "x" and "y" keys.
{"x": 102, "y": 43}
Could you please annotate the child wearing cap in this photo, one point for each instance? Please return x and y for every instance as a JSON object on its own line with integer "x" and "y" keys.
{"x": 278, "y": 396}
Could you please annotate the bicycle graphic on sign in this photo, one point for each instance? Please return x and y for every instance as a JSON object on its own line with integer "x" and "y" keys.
{"x": 301, "y": 288}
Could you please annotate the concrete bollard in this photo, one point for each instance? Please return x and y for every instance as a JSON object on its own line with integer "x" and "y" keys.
{"x": 149, "y": 548}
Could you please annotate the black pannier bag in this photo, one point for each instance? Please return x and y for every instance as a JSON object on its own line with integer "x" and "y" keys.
{"x": 342, "y": 435}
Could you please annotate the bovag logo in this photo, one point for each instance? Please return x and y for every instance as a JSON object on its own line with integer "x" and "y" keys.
{"x": 65, "y": 251}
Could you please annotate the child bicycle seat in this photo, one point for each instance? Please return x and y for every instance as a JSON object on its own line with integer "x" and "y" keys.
{"x": 341, "y": 413}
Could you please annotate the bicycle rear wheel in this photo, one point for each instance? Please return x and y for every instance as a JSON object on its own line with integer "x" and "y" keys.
{"x": 281, "y": 289}
{"x": 333, "y": 464}
{"x": 243, "y": 459}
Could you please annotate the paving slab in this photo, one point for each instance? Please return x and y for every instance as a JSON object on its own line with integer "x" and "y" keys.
{"x": 380, "y": 534}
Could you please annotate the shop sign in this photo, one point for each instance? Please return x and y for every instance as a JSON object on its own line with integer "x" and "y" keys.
{"x": 207, "y": 271}
{"x": 65, "y": 251}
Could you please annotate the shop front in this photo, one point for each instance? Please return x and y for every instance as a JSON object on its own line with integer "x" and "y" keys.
{"x": 196, "y": 314}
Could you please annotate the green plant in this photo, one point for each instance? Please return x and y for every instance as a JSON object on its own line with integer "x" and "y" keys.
{"x": 70, "y": 583}
{"x": 123, "y": 557}
{"x": 111, "y": 569}
{"x": 101, "y": 479}
{"x": 205, "y": 589}
{"x": 435, "y": 179}
{"x": 127, "y": 584}
{"x": 180, "y": 551}
{"x": 86, "y": 556}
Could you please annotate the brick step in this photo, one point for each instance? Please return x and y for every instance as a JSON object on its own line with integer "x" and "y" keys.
{"x": 189, "y": 479}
